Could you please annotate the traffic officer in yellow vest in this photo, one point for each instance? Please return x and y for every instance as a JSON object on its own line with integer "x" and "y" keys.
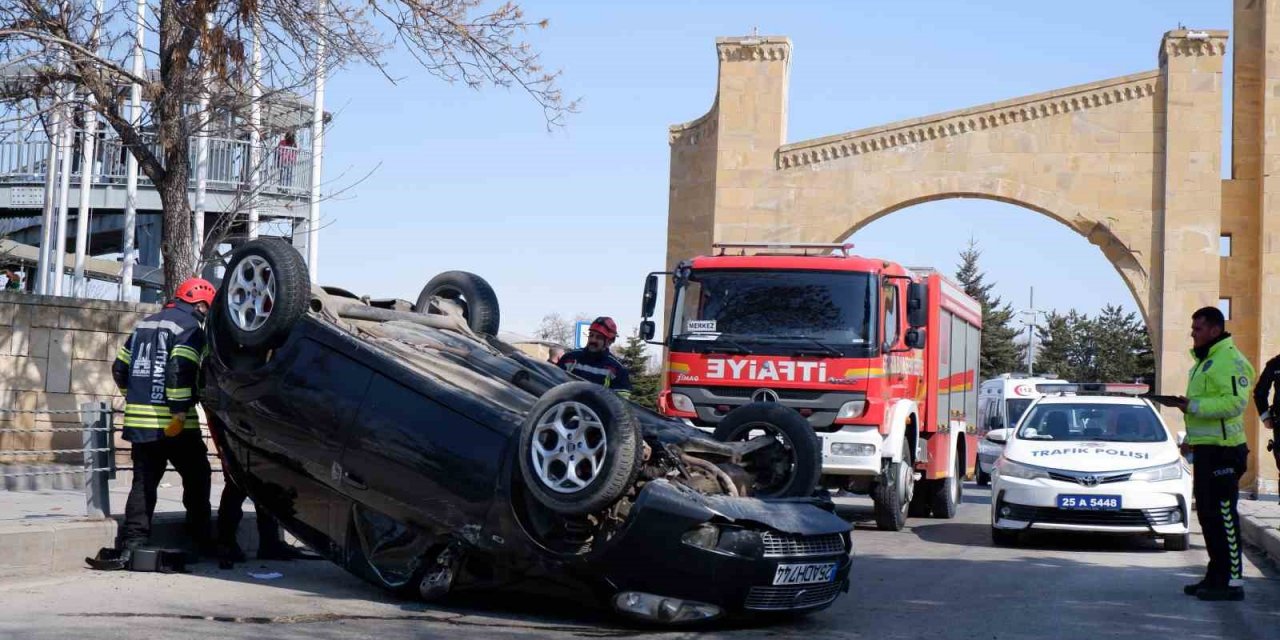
{"x": 156, "y": 370}
{"x": 1217, "y": 393}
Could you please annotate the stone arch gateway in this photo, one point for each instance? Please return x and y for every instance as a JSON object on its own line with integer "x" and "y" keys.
{"x": 1132, "y": 163}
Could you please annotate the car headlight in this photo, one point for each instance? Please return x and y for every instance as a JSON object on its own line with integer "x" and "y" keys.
{"x": 730, "y": 540}
{"x": 681, "y": 402}
{"x": 1171, "y": 471}
{"x": 1007, "y": 467}
{"x": 660, "y": 609}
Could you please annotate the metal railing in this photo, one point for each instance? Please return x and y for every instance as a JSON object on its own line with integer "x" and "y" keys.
{"x": 283, "y": 170}
{"x": 96, "y": 454}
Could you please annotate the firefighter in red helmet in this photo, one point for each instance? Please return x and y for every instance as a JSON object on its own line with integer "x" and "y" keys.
{"x": 595, "y": 363}
{"x": 156, "y": 370}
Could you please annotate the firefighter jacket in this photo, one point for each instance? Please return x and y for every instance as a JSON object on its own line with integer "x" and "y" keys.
{"x": 1270, "y": 378}
{"x": 1217, "y": 394}
{"x": 156, "y": 370}
{"x": 601, "y": 368}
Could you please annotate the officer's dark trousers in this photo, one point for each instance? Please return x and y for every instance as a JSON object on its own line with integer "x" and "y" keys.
{"x": 231, "y": 511}
{"x": 1217, "y": 476}
{"x": 190, "y": 458}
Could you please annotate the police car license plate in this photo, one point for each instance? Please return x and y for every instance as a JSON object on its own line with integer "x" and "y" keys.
{"x": 812, "y": 573}
{"x": 1089, "y": 503}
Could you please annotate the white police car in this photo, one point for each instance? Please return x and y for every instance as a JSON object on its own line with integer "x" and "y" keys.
{"x": 1090, "y": 463}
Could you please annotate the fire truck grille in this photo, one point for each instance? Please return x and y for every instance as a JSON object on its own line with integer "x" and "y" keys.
{"x": 783, "y": 394}
{"x": 783, "y": 545}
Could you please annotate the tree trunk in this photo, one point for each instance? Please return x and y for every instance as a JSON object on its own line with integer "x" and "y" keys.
{"x": 175, "y": 141}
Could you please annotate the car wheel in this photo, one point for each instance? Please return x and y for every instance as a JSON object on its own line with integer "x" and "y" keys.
{"x": 983, "y": 478}
{"x": 579, "y": 449}
{"x": 948, "y": 492}
{"x": 893, "y": 494}
{"x": 1004, "y": 537}
{"x": 478, "y": 301}
{"x": 789, "y": 468}
{"x": 264, "y": 293}
{"x": 1177, "y": 542}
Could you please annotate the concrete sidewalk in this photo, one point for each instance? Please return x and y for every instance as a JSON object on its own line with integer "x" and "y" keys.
{"x": 1260, "y": 525}
{"x": 43, "y": 532}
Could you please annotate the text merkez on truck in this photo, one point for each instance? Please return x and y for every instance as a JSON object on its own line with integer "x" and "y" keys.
{"x": 881, "y": 360}
{"x": 406, "y": 443}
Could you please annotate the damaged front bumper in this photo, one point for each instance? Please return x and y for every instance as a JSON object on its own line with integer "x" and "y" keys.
{"x": 684, "y": 556}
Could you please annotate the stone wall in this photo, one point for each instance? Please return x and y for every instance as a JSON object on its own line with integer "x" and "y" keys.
{"x": 56, "y": 354}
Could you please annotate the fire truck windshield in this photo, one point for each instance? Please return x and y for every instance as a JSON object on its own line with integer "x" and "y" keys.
{"x": 777, "y": 312}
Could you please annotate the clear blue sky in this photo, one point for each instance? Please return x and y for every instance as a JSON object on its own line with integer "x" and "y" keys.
{"x": 571, "y": 221}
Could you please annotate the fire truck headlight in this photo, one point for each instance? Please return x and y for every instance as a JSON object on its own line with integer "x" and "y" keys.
{"x": 681, "y": 402}
{"x": 852, "y": 409}
{"x": 852, "y": 449}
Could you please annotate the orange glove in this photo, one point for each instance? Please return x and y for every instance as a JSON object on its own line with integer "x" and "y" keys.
{"x": 176, "y": 424}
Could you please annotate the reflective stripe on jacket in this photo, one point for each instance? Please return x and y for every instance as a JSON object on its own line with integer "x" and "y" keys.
{"x": 156, "y": 370}
{"x": 1217, "y": 394}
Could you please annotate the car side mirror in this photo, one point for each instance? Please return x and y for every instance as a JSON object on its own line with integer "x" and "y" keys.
{"x": 650, "y": 301}
{"x": 998, "y": 436}
{"x": 917, "y": 305}
{"x": 915, "y": 338}
{"x": 647, "y": 330}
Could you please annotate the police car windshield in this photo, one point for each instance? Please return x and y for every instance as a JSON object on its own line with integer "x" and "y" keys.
{"x": 763, "y": 309}
{"x": 1077, "y": 422}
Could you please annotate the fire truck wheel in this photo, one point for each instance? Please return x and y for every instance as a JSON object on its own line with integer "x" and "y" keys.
{"x": 947, "y": 493}
{"x": 893, "y": 492}
{"x": 478, "y": 301}
{"x": 791, "y": 467}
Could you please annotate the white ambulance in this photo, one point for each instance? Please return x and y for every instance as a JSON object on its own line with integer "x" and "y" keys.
{"x": 1001, "y": 402}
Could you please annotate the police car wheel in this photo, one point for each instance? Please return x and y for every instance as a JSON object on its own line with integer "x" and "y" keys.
{"x": 1177, "y": 542}
{"x": 265, "y": 292}
{"x": 580, "y": 449}
{"x": 478, "y": 301}
{"x": 788, "y": 468}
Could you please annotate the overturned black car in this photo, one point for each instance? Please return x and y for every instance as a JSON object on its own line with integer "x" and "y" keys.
{"x": 408, "y": 445}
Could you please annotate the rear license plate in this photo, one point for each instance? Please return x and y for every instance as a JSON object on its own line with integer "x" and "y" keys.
{"x": 1089, "y": 503}
{"x": 812, "y": 573}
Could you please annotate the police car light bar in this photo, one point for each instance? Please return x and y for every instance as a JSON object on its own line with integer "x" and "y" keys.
{"x": 1095, "y": 388}
{"x": 803, "y": 247}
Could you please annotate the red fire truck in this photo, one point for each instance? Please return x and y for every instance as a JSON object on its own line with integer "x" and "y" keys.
{"x": 881, "y": 359}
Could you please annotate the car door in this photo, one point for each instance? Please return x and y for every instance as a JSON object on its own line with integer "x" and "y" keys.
{"x": 301, "y": 431}
{"x": 419, "y": 461}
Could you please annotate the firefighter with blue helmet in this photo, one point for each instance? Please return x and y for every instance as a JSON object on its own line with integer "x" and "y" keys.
{"x": 157, "y": 370}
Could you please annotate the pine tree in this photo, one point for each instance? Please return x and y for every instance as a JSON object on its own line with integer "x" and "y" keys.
{"x": 999, "y": 353}
{"x": 644, "y": 384}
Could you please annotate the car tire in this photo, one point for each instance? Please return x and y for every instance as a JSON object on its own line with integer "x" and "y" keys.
{"x": 479, "y": 302}
{"x": 982, "y": 477}
{"x": 598, "y": 434}
{"x": 265, "y": 291}
{"x": 1177, "y": 542}
{"x": 948, "y": 492}
{"x": 893, "y": 494}
{"x": 1004, "y": 537}
{"x": 798, "y": 441}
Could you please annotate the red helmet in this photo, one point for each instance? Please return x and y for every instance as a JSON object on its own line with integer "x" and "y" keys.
{"x": 195, "y": 290}
{"x": 605, "y": 326}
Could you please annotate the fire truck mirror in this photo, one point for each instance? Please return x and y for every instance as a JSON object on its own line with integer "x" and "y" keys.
{"x": 650, "y": 301}
{"x": 915, "y": 338}
{"x": 917, "y": 309}
{"x": 647, "y": 329}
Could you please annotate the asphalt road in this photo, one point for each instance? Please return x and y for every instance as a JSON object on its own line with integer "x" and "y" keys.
{"x": 938, "y": 579}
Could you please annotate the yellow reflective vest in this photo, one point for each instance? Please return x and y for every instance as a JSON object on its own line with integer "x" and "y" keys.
{"x": 1217, "y": 393}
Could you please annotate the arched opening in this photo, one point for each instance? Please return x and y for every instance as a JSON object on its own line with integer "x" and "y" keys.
{"x": 1043, "y": 267}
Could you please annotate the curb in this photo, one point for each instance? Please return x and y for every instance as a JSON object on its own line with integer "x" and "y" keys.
{"x": 43, "y": 548}
{"x": 1260, "y": 526}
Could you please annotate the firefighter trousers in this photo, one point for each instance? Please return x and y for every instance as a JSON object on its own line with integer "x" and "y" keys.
{"x": 1217, "y": 487}
{"x": 190, "y": 458}
{"x": 231, "y": 512}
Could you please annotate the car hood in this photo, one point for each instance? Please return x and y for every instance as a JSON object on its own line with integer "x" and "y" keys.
{"x": 1091, "y": 456}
